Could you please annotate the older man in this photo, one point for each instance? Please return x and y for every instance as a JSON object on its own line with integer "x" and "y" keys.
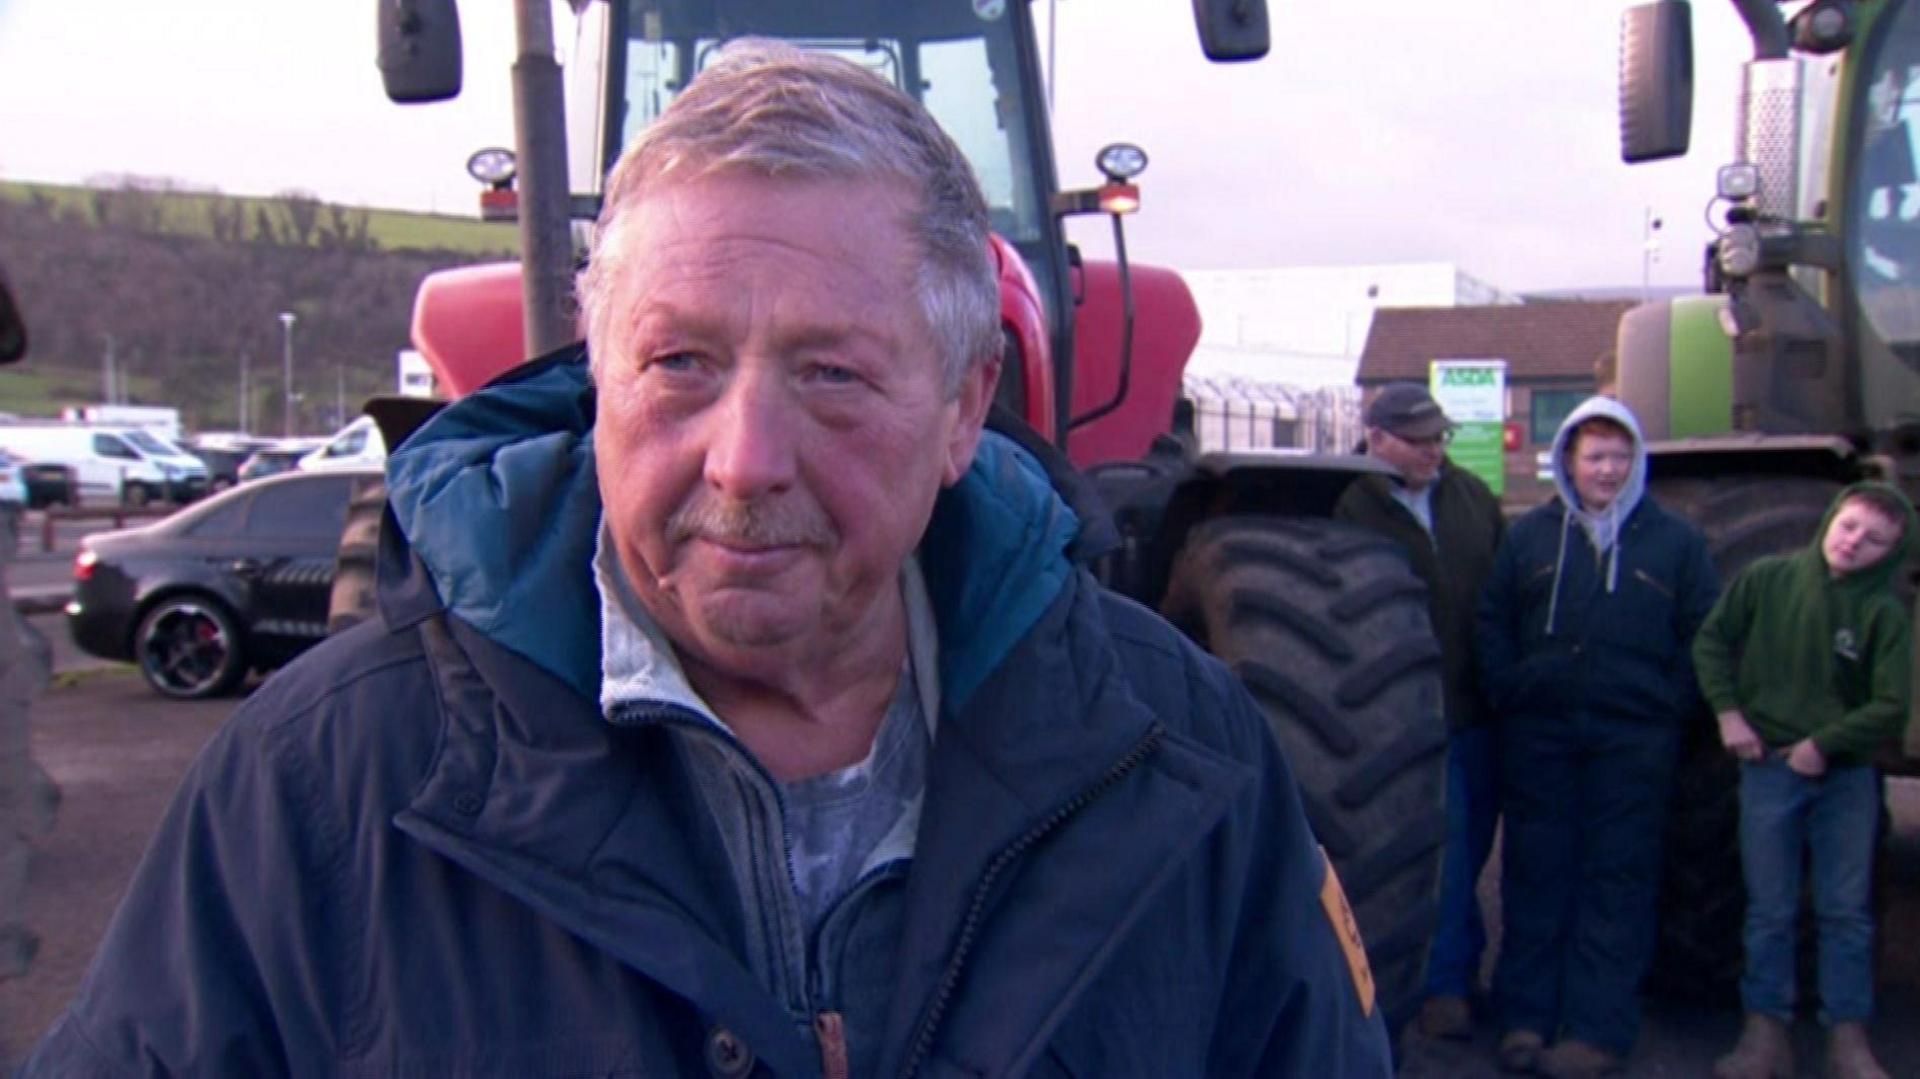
{"x": 1449, "y": 524}
{"x": 744, "y": 710}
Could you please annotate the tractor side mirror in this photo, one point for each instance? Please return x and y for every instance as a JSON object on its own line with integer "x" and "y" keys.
{"x": 1232, "y": 29}
{"x": 419, "y": 49}
{"x": 1656, "y": 81}
{"x": 13, "y": 329}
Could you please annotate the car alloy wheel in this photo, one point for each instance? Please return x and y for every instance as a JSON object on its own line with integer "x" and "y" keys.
{"x": 188, "y": 648}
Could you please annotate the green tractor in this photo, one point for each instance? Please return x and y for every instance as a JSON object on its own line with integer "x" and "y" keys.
{"x": 1799, "y": 370}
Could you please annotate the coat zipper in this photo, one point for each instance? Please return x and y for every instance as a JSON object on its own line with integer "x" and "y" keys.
{"x": 922, "y": 1041}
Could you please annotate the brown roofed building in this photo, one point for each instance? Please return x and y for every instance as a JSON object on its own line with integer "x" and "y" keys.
{"x": 1557, "y": 353}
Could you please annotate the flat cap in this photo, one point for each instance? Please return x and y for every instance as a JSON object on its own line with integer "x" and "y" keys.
{"x": 1407, "y": 410}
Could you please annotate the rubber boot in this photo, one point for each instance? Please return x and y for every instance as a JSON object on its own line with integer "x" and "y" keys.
{"x": 1763, "y": 1052}
{"x": 1519, "y": 1052}
{"x": 1575, "y": 1059}
{"x": 1848, "y": 1054}
{"x": 1447, "y": 1017}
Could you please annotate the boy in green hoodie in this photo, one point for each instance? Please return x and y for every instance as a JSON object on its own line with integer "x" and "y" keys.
{"x": 1806, "y": 662}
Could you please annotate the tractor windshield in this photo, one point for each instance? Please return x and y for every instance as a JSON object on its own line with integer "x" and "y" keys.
{"x": 961, "y": 58}
{"x": 1882, "y": 218}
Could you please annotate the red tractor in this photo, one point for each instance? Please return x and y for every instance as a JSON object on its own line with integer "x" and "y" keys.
{"x": 1325, "y": 623}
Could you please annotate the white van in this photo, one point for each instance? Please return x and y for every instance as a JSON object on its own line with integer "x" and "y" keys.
{"x": 357, "y": 445}
{"x": 116, "y": 464}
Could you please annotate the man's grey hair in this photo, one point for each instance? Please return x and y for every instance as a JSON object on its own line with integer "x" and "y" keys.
{"x": 769, "y": 108}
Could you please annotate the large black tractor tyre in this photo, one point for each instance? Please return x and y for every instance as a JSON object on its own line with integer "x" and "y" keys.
{"x": 1329, "y": 629}
{"x": 1703, "y": 901}
{"x": 351, "y": 600}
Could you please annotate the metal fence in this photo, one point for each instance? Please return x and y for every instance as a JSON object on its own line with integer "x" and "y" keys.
{"x": 1242, "y": 415}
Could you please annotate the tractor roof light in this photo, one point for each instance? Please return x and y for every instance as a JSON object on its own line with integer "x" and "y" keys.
{"x": 1738, "y": 181}
{"x": 494, "y": 166}
{"x": 1120, "y": 161}
{"x": 1740, "y": 250}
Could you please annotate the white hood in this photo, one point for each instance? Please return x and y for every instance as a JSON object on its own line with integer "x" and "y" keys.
{"x": 1602, "y": 527}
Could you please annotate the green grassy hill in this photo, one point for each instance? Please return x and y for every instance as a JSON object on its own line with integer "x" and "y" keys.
{"x": 194, "y": 213}
{"x": 182, "y": 291}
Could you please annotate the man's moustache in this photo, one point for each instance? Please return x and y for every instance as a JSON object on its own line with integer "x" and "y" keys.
{"x": 784, "y": 523}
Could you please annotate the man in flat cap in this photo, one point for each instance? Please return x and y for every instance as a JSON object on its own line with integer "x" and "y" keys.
{"x": 1449, "y": 524}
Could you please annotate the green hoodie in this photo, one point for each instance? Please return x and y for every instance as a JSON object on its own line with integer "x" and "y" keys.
{"x": 1802, "y": 654}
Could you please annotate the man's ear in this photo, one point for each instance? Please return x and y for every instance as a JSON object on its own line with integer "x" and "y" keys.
{"x": 971, "y": 404}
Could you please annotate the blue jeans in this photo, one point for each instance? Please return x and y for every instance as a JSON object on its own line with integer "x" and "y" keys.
{"x": 1783, "y": 817}
{"x": 1473, "y": 806}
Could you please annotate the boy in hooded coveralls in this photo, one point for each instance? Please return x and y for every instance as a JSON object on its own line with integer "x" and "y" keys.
{"x": 1584, "y": 635}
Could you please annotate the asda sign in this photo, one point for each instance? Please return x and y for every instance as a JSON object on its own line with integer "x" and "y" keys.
{"x": 1460, "y": 377}
{"x": 1473, "y": 393}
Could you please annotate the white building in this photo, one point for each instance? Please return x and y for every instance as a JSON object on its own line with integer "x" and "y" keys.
{"x": 1304, "y": 326}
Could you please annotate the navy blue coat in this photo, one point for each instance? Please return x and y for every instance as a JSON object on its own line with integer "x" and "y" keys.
{"x": 1624, "y": 654}
{"x": 421, "y": 850}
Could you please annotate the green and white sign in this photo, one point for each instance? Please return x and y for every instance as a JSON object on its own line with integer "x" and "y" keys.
{"x": 1473, "y": 393}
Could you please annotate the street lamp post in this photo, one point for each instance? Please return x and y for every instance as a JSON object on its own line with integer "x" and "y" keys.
{"x": 286, "y": 364}
{"x": 1650, "y": 225}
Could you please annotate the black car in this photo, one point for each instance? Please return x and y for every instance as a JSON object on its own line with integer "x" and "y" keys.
{"x": 238, "y": 582}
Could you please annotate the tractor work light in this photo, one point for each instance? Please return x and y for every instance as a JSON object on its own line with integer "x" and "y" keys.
{"x": 494, "y": 166}
{"x": 1740, "y": 180}
{"x": 1825, "y": 26}
{"x": 1121, "y": 161}
{"x": 1740, "y": 251}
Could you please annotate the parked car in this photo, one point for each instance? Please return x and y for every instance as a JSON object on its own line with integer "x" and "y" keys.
{"x": 121, "y": 464}
{"x": 223, "y": 465}
{"x": 224, "y": 452}
{"x": 270, "y": 462}
{"x": 13, "y": 480}
{"x": 262, "y": 463}
{"x": 237, "y": 582}
{"x": 357, "y": 445}
{"x": 49, "y": 484}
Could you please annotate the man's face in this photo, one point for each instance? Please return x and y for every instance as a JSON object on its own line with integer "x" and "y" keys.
{"x": 1858, "y": 536}
{"x": 1601, "y": 460}
{"x": 772, "y": 424}
{"x": 1416, "y": 459}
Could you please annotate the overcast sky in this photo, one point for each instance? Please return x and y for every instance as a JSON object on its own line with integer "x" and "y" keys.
{"x": 1479, "y": 132}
